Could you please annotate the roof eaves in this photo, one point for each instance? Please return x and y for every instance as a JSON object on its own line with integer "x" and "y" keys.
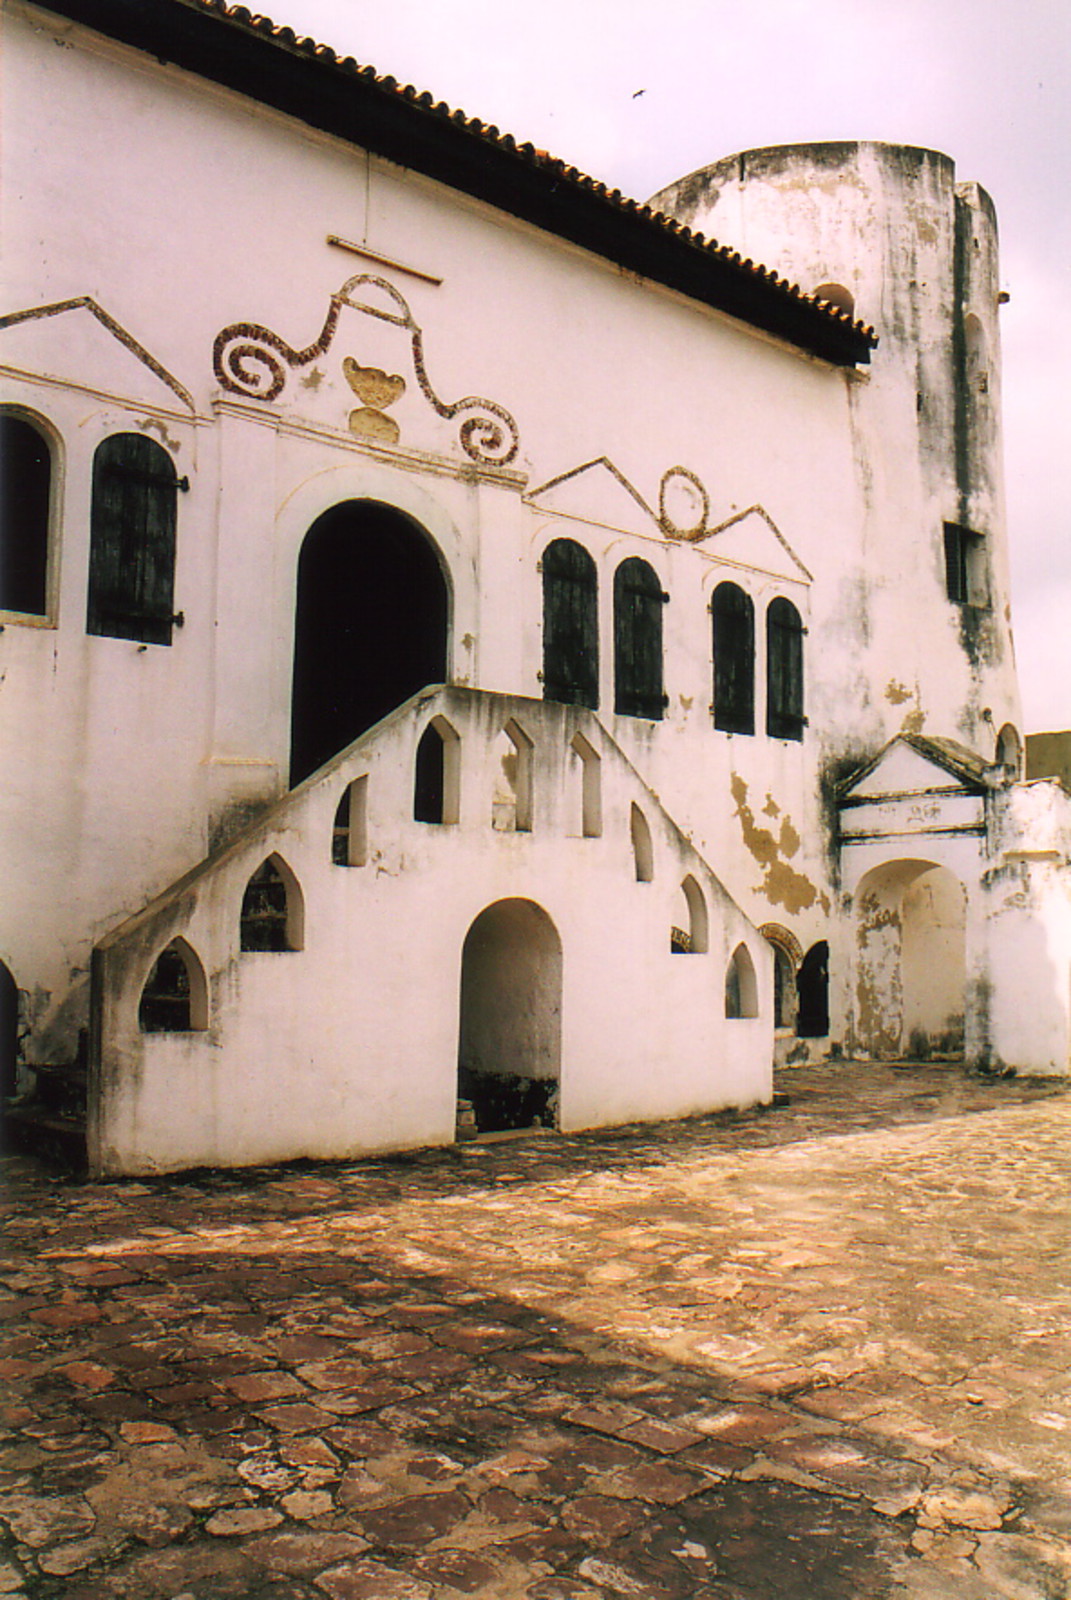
{"x": 269, "y": 63}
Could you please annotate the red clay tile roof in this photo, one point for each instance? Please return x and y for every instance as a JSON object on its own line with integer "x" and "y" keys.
{"x": 231, "y": 45}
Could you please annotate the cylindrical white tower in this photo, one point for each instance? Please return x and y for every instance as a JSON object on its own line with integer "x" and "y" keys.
{"x": 918, "y": 591}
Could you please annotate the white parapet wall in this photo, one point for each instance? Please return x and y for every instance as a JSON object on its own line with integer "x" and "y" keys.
{"x": 348, "y": 1041}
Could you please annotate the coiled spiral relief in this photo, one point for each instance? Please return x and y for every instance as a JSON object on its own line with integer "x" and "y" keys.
{"x": 250, "y": 360}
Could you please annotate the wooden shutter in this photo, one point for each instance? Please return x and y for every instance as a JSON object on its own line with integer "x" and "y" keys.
{"x": 132, "y": 540}
{"x": 638, "y": 602}
{"x": 25, "y": 488}
{"x": 734, "y": 659}
{"x": 570, "y": 625}
{"x": 784, "y": 671}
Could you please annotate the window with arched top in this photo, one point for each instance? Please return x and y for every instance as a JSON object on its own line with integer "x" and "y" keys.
{"x": 784, "y": 670}
{"x": 25, "y": 514}
{"x": 175, "y": 996}
{"x": 741, "y": 987}
{"x": 437, "y": 773}
{"x": 570, "y": 625}
{"x": 132, "y": 540}
{"x": 733, "y": 618}
{"x": 272, "y": 917}
{"x": 638, "y": 603}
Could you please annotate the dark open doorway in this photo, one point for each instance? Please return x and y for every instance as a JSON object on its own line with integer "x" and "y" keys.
{"x": 371, "y": 626}
{"x": 9, "y": 1031}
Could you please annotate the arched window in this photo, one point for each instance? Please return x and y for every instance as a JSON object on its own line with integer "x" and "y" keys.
{"x": 132, "y": 540}
{"x": 175, "y": 996}
{"x": 436, "y": 776}
{"x": 741, "y": 989}
{"x": 272, "y": 913}
{"x": 570, "y": 625}
{"x": 25, "y": 496}
{"x": 734, "y": 659}
{"x": 784, "y": 670}
{"x": 638, "y": 602}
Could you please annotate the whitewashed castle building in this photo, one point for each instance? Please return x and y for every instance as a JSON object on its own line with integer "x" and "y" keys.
{"x": 473, "y": 640}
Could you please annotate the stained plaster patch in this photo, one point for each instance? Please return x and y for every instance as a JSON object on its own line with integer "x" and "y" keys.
{"x": 781, "y": 883}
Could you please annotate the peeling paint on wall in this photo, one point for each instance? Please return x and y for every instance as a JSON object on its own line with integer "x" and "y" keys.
{"x": 781, "y": 884}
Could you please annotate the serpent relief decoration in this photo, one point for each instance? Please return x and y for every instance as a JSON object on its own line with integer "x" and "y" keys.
{"x": 251, "y": 360}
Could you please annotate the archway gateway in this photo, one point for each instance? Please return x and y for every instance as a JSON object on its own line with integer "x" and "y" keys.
{"x": 371, "y": 623}
{"x": 509, "y": 1049}
{"x": 911, "y": 977}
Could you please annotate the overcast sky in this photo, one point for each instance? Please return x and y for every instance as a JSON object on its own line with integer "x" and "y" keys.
{"x": 986, "y": 81}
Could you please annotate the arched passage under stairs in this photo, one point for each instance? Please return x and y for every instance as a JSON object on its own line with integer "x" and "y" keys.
{"x": 911, "y": 961}
{"x": 509, "y": 1050}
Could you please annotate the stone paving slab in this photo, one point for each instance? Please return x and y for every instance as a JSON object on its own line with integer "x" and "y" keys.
{"x": 817, "y": 1353}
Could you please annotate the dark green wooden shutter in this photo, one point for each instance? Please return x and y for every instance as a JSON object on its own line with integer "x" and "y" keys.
{"x": 784, "y": 671}
{"x": 132, "y": 541}
{"x": 638, "y": 602}
{"x": 570, "y": 625}
{"x": 734, "y": 659}
{"x": 25, "y": 487}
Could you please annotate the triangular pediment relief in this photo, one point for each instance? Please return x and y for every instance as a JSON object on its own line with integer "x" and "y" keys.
{"x": 752, "y": 539}
{"x": 597, "y": 492}
{"x": 911, "y": 764}
{"x": 80, "y": 342}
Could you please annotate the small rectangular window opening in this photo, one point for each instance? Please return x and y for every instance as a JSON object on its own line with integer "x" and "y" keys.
{"x": 965, "y": 566}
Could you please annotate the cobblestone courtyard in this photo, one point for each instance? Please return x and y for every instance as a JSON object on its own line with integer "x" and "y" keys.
{"x": 818, "y": 1353}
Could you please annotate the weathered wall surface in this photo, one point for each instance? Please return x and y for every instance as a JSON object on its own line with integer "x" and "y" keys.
{"x": 500, "y": 389}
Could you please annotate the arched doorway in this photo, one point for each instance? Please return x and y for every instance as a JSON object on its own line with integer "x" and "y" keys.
{"x": 812, "y": 993}
{"x": 370, "y": 628}
{"x": 911, "y": 921}
{"x": 509, "y": 1051}
{"x": 9, "y": 1032}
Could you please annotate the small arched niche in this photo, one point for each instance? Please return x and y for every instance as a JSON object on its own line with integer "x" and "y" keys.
{"x": 693, "y": 937}
{"x": 1010, "y": 751}
{"x": 511, "y": 801}
{"x": 175, "y": 996}
{"x": 836, "y": 295}
{"x": 437, "y": 774}
{"x": 741, "y": 987}
{"x": 642, "y": 848}
{"x": 590, "y": 786}
{"x": 349, "y": 838}
{"x": 273, "y": 910}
